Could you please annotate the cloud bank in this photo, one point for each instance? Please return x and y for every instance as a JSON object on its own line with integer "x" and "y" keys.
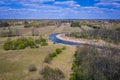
{"x": 58, "y": 9}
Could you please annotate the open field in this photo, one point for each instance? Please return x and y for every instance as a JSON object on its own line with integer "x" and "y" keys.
{"x": 14, "y": 64}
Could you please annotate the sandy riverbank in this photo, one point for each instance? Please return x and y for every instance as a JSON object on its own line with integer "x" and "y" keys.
{"x": 85, "y": 41}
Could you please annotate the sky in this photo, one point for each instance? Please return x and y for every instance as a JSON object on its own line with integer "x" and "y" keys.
{"x": 59, "y": 9}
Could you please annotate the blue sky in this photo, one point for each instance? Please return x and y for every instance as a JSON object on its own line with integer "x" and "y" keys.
{"x": 59, "y": 9}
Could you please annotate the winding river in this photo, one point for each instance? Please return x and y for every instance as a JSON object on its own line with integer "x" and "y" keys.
{"x": 53, "y": 38}
{"x": 57, "y": 40}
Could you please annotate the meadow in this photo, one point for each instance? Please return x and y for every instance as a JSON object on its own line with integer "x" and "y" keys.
{"x": 15, "y": 64}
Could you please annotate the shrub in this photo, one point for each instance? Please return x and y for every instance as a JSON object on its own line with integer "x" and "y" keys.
{"x": 44, "y": 43}
{"x": 63, "y": 48}
{"x": 21, "y": 46}
{"x": 74, "y": 66}
{"x": 30, "y": 42}
{"x": 8, "y": 45}
{"x": 58, "y": 50}
{"x": 53, "y": 54}
{"x": 32, "y": 68}
{"x": 20, "y": 43}
{"x": 41, "y": 41}
{"x": 15, "y": 42}
{"x": 37, "y": 41}
{"x": 47, "y": 59}
{"x": 52, "y": 74}
{"x": 37, "y": 47}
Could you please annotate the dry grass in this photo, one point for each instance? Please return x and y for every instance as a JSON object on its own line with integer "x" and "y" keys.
{"x": 64, "y": 61}
{"x": 14, "y": 64}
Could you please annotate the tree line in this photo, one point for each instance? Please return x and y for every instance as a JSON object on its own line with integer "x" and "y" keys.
{"x": 94, "y": 64}
{"x": 4, "y": 24}
{"x": 108, "y": 35}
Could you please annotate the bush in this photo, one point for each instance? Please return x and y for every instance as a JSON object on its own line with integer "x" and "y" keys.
{"x": 47, "y": 59}
{"x": 74, "y": 66}
{"x": 58, "y": 50}
{"x": 44, "y": 43}
{"x": 21, "y": 46}
{"x": 20, "y": 43}
{"x": 32, "y": 68}
{"x": 31, "y": 43}
{"x": 8, "y": 45}
{"x": 63, "y": 48}
{"x": 41, "y": 41}
{"x": 37, "y": 41}
{"x": 53, "y": 54}
{"x": 52, "y": 74}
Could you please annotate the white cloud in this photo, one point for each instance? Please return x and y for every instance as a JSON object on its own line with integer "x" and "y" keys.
{"x": 61, "y": 13}
{"x": 108, "y": 1}
{"x": 68, "y": 3}
{"x": 113, "y": 3}
{"x": 108, "y": 4}
{"x": 41, "y": 0}
{"x": 36, "y": 9}
{"x": 28, "y": 1}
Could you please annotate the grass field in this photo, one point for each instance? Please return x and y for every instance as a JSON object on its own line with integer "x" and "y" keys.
{"x": 14, "y": 64}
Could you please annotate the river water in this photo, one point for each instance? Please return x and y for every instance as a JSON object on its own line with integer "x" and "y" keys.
{"x": 53, "y": 38}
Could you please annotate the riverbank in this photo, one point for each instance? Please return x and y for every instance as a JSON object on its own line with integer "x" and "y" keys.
{"x": 95, "y": 42}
